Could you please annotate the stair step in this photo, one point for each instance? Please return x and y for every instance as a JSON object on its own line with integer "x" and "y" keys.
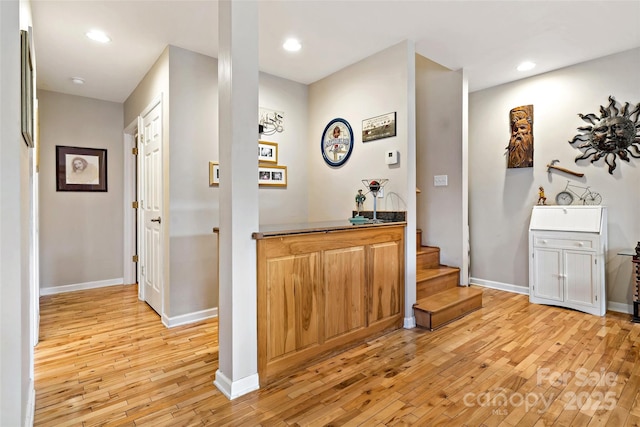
{"x": 428, "y": 257}
{"x": 437, "y": 310}
{"x": 430, "y": 281}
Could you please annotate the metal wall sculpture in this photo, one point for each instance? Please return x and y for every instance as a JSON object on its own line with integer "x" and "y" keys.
{"x": 520, "y": 148}
{"x": 616, "y": 133}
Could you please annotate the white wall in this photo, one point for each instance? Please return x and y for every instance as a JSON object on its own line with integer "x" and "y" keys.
{"x": 374, "y": 86}
{"x": 193, "y": 205}
{"x": 291, "y": 98}
{"x": 501, "y": 198}
{"x": 80, "y": 232}
{"x": 379, "y": 84}
{"x": 439, "y": 152}
{"x": 188, "y": 82}
{"x": 16, "y": 387}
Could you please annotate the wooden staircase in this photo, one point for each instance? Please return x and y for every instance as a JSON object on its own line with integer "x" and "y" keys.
{"x": 440, "y": 299}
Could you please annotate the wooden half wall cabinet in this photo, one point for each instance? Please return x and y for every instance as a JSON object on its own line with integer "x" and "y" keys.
{"x": 322, "y": 291}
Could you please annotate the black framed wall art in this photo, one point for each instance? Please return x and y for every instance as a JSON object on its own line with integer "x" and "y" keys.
{"x": 81, "y": 169}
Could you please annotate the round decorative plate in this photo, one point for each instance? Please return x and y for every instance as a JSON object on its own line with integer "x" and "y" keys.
{"x": 337, "y": 142}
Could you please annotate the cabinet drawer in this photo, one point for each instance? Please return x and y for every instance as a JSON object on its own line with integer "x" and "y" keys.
{"x": 553, "y": 242}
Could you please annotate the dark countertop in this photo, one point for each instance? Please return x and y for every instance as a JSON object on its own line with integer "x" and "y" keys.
{"x": 315, "y": 227}
{"x": 276, "y": 230}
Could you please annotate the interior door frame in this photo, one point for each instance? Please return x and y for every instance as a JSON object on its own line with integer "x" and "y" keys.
{"x": 130, "y": 214}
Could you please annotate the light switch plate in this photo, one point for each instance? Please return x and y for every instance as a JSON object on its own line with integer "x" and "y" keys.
{"x": 440, "y": 180}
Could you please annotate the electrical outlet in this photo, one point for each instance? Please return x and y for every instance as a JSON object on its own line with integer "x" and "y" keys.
{"x": 440, "y": 180}
{"x": 381, "y": 193}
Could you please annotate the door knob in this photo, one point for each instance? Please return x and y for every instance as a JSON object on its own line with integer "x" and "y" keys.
{"x": 158, "y": 220}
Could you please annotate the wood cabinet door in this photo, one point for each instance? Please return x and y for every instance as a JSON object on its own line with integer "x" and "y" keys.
{"x": 385, "y": 287}
{"x": 344, "y": 291}
{"x": 292, "y": 319}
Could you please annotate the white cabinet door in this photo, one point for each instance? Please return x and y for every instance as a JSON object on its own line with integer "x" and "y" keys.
{"x": 580, "y": 277}
{"x": 547, "y": 274}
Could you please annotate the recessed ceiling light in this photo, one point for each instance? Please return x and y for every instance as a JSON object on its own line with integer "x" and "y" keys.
{"x": 292, "y": 45}
{"x": 77, "y": 80}
{"x": 526, "y": 66}
{"x": 99, "y": 36}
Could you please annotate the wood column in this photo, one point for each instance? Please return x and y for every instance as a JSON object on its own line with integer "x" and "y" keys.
{"x": 238, "y": 137}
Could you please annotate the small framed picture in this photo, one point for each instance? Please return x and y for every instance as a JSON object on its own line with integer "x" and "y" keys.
{"x": 214, "y": 174}
{"x": 81, "y": 169}
{"x": 379, "y": 127}
{"x": 267, "y": 152}
{"x": 27, "y": 88}
{"x": 272, "y": 176}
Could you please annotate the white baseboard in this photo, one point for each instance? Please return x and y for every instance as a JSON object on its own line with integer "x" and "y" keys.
{"x": 185, "y": 319}
{"x": 409, "y": 322}
{"x": 620, "y": 307}
{"x": 52, "y": 290}
{"x": 31, "y": 406}
{"x": 516, "y": 289}
{"x": 233, "y": 389}
{"x": 611, "y": 305}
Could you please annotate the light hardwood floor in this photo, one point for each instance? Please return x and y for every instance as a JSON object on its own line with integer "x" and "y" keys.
{"x": 104, "y": 358}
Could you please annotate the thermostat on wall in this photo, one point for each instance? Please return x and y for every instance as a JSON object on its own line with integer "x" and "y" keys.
{"x": 392, "y": 157}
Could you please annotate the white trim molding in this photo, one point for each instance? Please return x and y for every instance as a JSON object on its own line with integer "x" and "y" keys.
{"x": 31, "y": 405}
{"x": 516, "y": 289}
{"x": 409, "y": 322}
{"x": 184, "y": 319}
{"x": 620, "y": 307}
{"x": 52, "y": 290}
{"x": 233, "y": 389}
{"x": 611, "y": 305}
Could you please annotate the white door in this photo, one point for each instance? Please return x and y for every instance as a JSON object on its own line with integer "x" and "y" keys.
{"x": 150, "y": 191}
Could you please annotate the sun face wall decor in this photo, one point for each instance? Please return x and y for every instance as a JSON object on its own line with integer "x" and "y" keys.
{"x": 616, "y": 133}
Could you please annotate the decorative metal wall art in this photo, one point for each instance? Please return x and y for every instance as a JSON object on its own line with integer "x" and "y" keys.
{"x": 270, "y": 121}
{"x": 520, "y": 148}
{"x": 616, "y": 133}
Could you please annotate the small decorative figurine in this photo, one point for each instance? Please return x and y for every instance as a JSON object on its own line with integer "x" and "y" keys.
{"x": 360, "y": 198}
{"x": 541, "y": 198}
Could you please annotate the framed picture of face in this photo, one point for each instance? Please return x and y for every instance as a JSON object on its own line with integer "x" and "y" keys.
{"x": 81, "y": 169}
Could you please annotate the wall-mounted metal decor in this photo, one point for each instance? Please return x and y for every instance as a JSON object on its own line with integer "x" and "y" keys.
{"x": 616, "y": 133}
{"x": 520, "y": 148}
{"x": 270, "y": 122}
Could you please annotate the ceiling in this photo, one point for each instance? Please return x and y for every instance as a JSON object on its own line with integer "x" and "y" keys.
{"x": 488, "y": 39}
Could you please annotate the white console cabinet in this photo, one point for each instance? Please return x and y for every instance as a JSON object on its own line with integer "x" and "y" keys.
{"x": 567, "y": 248}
